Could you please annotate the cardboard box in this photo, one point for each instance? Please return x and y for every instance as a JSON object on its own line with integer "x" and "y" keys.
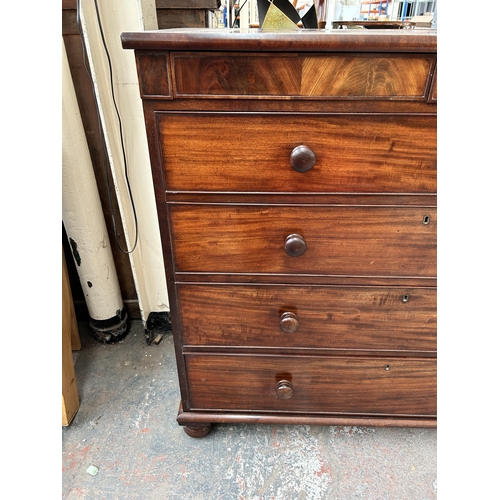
{"x": 424, "y": 21}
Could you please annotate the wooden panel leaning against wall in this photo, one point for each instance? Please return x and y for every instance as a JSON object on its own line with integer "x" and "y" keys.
{"x": 88, "y": 111}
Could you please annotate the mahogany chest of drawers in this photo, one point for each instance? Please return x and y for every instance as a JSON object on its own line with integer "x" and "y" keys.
{"x": 295, "y": 181}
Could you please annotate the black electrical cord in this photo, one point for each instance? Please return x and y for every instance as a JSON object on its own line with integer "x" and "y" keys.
{"x": 101, "y": 135}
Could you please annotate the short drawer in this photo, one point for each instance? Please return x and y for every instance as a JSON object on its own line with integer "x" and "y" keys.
{"x": 288, "y": 76}
{"x": 357, "y": 386}
{"x": 287, "y": 152}
{"x": 322, "y": 317}
{"x": 326, "y": 240}
{"x": 153, "y": 71}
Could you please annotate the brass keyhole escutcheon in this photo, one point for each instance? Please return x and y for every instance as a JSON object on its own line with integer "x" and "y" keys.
{"x": 426, "y": 220}
{"x": 405, "y": 298}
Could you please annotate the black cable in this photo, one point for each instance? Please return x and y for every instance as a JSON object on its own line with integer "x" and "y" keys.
{"x": 101, "y": 135}
{"x": 239, "y": 10}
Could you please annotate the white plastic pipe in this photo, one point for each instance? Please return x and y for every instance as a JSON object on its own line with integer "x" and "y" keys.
{"x": 84, "y": 221}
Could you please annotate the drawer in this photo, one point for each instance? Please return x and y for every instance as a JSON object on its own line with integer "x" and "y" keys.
{"x": 154, "y": 74}
{"x": 322, "y": 317}
{"x": 335, "y": 240}
{"x": 255, "y": 152}
{"x": 287, "y": 76}
{"x": 360, "y": 386}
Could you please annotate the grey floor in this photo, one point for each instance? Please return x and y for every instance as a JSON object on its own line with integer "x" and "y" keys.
{"x": 126, "y": 428}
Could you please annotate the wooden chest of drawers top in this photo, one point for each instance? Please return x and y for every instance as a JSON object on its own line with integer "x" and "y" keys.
{"x": 312, "y": 64}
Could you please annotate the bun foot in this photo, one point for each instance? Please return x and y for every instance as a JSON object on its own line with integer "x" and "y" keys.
{"x": 197, "y": 430}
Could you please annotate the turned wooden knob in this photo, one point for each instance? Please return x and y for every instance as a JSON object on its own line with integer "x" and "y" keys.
{"x": 284, "y": 389}
{"x": 295, "y": 245}
{"x": 302, "y": 158}
{"x": 289, "y": 322}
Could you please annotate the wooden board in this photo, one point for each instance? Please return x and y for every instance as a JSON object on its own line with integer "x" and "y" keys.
{"x": 187, "y": 4}
{"x": 181, "y": 18}
{"x": 70, "y": 337}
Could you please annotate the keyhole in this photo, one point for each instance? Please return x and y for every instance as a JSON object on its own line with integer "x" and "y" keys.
{"x": 387, "y": 367}
{"x": 426, "y": 220}
{"x": 405, "y": 298}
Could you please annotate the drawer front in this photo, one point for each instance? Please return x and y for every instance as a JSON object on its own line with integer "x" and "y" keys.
{"x": 154, "y": 74}
{"x": 323, "y": 317}
{"x": 352, "y": 76}
{"x": 255, "y": 152}
{"x": 360, "y": 386}
{"x": 336, "y": 240}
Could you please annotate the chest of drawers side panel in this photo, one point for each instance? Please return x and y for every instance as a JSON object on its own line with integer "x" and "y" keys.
{"x": 158, "y": 174}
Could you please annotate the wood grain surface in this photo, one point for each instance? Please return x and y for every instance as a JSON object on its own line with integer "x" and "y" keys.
{"x": 367, "y": 241}
{"x": 351, "y": 318}
{"x": 251, "y": 152}
{"x": 295, "y": 180}
{"x": 305, "y": 76}
{"x": 386, "y": 386}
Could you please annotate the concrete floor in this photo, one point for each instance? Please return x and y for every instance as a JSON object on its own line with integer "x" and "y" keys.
{"x": 126, "y": 428}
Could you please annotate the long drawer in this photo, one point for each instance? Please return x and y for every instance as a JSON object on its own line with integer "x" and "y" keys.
{"x": 322, "y": 317}
{"x": 360, "y": 386}
{"x": 352, "y": 76}
{"x": 334, "y": 240}
{"x": 257, "y": 152}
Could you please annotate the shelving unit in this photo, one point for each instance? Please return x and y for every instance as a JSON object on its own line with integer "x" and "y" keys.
{"x": 405, "y": 10}
{"x": 369, "y": 8}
